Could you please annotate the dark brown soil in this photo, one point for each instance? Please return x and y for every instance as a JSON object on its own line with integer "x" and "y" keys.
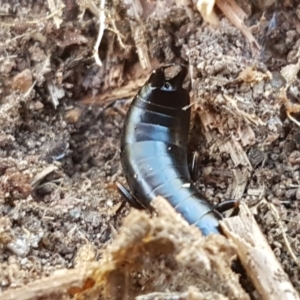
{"x": 60, "y": 149}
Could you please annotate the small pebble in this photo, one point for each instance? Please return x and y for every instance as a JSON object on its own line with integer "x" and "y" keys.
{"x": 20, "y": 247}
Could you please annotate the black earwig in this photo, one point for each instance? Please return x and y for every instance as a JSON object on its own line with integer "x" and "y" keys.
{"x": 154, "y": 151}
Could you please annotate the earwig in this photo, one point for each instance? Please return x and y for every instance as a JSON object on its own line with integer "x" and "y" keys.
{"x": 154, "y": 151}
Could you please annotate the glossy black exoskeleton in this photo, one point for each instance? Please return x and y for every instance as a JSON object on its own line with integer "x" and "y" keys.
{"x": 154, "y": 151}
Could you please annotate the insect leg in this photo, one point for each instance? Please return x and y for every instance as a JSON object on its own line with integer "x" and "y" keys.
{"x": 129, "y": 197}
{"x": 194, "y": 171}
{"x": 228, "y": 205}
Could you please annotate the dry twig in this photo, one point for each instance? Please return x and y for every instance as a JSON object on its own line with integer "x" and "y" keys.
{"x": 257, "y": 257}
{"x": 115, "y": 30}
{"x": 55, "y": 286}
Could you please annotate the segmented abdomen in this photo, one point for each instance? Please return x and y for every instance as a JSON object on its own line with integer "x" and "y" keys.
{"x": 154, "y": 145}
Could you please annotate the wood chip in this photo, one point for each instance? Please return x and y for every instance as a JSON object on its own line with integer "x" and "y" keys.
{"x": 206, "y": 9}
{"x": 55, "y": 286}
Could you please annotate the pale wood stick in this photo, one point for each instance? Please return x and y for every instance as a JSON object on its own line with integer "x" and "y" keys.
{"x": 257, "y": 257}
{"x": 55, "y": 286}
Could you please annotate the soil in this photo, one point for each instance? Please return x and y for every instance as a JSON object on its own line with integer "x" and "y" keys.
{"x": 60, "y": 132}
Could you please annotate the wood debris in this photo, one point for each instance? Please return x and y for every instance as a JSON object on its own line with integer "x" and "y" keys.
{"x": 56, "y": 93}
{"x": 206, "y": 9}
{"x": 236, "y": 16}
{"x": 208, "y": 119}
{"x": 86, "y": 253}
{"x": 234, "y": 109}
{"x": 237, "y": 153}
{"x": 233, "y": 13}
{"x": 126, "y": 91}
{"x": 135, "y": 12}
{"x": 238, "y": 186}
{"x": 167, "y": 252}
{"x": 191, "y": 294}
{"x": 41, "y": 70}
{"x": 56, "y": 8}
{"x": 55, "y": 286}
{"x": 257, "y": 257}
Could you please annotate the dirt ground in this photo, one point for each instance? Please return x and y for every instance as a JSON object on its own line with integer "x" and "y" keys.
{"x": 59, "y": 147}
